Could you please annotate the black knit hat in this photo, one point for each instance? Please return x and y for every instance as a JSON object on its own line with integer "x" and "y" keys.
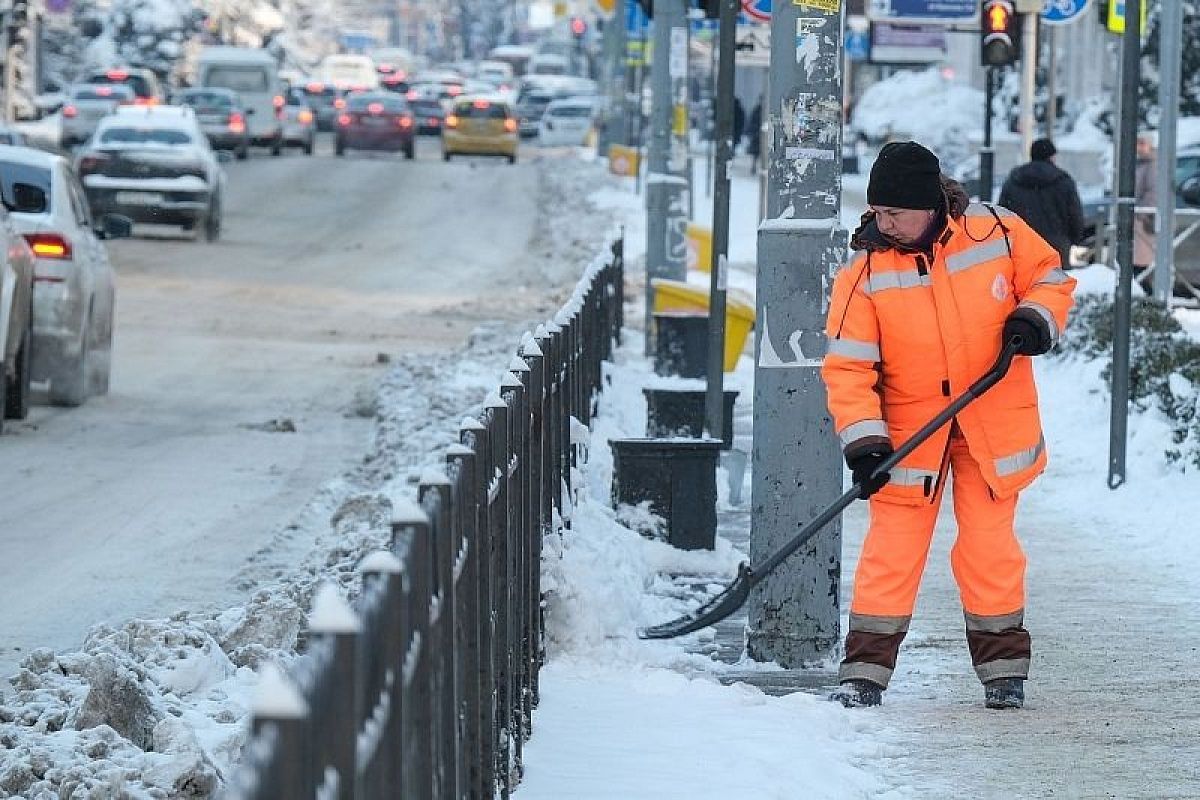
{"x": 1042, "y": 150}
{"x": 905, "y": 175}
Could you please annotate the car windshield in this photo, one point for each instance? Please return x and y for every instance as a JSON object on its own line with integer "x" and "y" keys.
{"x": 15, "y": 172}
{"x": 481, "y": 109}
{"x": 207, "y": 101}
{"x": 239, "y": 79}
{"x": 139, "y": 85}
{"x": 110, "y": 92}
{"x": 162, "y": 136}
{"x": 570, "y": 111}
{"x": 386, "y": 104}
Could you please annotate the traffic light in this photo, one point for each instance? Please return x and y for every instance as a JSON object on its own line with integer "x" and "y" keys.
{"x": 1001, "y": 29}
{"x": 578, "y": 27}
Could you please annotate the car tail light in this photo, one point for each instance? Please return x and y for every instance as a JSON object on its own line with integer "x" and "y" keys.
{"x": 451, "y": 121}
{"x": 315, "y": 88}
{"x": 305, "y": 117}
{"x": 413, "y": 94}
{"x": 384, "y": 69}
{"x": 344, "y": 120}
{"x": 92, "y": 162}
{"x": 116, "y": 75}
{"x": 145, "y": 101}
{"x": 510, "y": 125}
{"x": 405, "y": 122}
{"x": 375, "y": 108}
{"x": 49, "y": 245}
{"x": 481, "y": 104}
{"x": 454, "y": 90}
{"x": 237, "y": 123}
{"x": 339, "y": 104}
{"x": 104, "y": 91}
{"x": 277, "y": 101}
{"x": 70, "y": 112}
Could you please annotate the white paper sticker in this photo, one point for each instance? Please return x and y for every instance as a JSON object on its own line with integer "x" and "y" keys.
{"x": 677, "y": 64}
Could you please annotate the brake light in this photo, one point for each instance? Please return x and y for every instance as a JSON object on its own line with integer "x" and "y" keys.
{"x": 49, "y": 245}
{"x": 305, "y": 117}
{"x": 405, "y": 122}
{"x": 343, "y": 120}
{"x": 451, "y": 121}
{"x": 104, "y": 91}
{"x": 92, "y": 162}
{"x": 384, "y": 69}
{"x": 454, "y": 90}
{"x": 116, "y": 75}
{"x": 315, "y": 88}
{"x": 375, "y": 108}
{"x": 237, "y": 123}
{"x": 145, "y": 101}
{"x": 413, "y": 94}
{"x": 481, "y": 104}
{"x": 70, "y": 112}
{"x": 510, "y": 125}
{"x": 277, "y": 101}
{"x": 339, "y": 104}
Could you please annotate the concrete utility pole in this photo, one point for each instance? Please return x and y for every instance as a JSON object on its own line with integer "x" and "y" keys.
{"x": 666, "y": 184}
{"x": 1131, "y": 51}
{"x": 1029, "y": 55}
{"x": 1170, "y": 55}
{"x": 801, "y": 245}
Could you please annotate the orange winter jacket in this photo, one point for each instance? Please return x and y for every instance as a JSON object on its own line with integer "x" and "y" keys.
{"x": 908, "y": 333}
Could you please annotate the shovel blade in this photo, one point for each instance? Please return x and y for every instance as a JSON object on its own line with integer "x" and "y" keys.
{"x": 729, "y": 600}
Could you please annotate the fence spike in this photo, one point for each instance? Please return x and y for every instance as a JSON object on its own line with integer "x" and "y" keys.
{"x": 381, "y": 561}
{"x": 518, "y": 365}
{"x": 458, "y": 449}
{"x": 331, "y": 613}
{"x": 276, "y": 696}
{"x": 406, "y": 510}
{"x": 510, "y": 381}
{"x": 532, "y": 349}
{"x": 434, "y": 476}
{"x": 494, "y": 400}
{"x": 471, "y": 424}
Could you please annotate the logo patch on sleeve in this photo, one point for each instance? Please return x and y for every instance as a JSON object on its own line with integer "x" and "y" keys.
{"x": 1000, "y": 288}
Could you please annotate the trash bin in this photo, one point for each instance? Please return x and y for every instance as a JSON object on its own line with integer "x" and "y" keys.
{"x": 681, "y": 344}
{"x": 681, "y": 296}
{"x": 678, "y": 477}
{"x": 699, "y": 247}
{"x": 680, "y": 412}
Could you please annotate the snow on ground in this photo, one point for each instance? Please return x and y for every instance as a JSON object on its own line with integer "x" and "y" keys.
{"x": 163, "y": 703}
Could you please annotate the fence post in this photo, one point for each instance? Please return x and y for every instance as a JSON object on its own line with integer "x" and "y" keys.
{"x": 498, "y": 435}
{"x": 434, "y": 495}
{"x": 411, "y": 537}
{"x": 531, "y": 352}
{"x": 513, "y": 392}
{"x": 333, "y": 620}
{"x": 473, "y": 434}
{"x": 279, "y": 708}
{"x": 461, "y": 460}
{"x": 383, "y": 592}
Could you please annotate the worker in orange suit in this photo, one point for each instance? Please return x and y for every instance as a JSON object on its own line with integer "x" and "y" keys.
{"x": 921, "y": 311}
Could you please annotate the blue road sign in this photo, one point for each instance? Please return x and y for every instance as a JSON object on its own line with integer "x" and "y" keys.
{"x": 858, "y": 45}
{"x": 942, "y": 12}
{"x": 635, "y": 19}
{"x": 759, "y": 10}
{"x": 1063, "y": 12}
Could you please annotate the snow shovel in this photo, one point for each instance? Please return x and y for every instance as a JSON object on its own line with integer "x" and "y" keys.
{"x": 734, "y": 595}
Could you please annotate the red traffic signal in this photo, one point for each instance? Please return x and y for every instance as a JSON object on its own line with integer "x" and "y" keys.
{"x": 578, "y": 27}
{"x": 1000, "y": 28}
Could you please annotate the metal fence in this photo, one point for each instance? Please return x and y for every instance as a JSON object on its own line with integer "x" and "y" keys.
{"x": 426, "y": 689}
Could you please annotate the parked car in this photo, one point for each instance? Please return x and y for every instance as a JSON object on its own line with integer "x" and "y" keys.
{"x": 154, "y": 165}
{"x": 73, "y": 285}
{"x": 222, "y": 117}
{"x": 481, "y": 126}
{"x": 86, "y": 105}
{"x": 254, "y": 76}
{"x": 323, "y": 98}
{"x": 12, "y": 136}
{"x": 299, "y": 121}
{"x": 376, "y": 121}
{"x": 531, "y": 104}
{"x": 147, "y": 91}
{"x": 16, "y": 304}
{"x": 566, "y": 122}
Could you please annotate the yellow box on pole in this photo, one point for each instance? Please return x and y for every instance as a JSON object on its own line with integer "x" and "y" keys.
{"x": 672, "y": 295}
{"x": 699, "y": 247}
{"x": 622, "y": 160}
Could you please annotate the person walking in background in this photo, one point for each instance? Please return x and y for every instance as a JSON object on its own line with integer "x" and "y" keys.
{"x": 1143, "y": 195}
{"x": 1046, "y": 197}
{"x": 754, "y": 131}
{"x": 937, "y": 286}
{"x": 739, "y": 122}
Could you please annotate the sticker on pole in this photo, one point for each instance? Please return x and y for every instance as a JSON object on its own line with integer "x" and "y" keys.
{"x": 758, "y": 9}
{"x": 828, "y": 6}
{"x": 1063, "y": 12}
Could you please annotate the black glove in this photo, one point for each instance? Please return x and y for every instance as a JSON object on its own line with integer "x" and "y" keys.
{"x": 864, "y": 464}
{"x": 1034, "y": 333}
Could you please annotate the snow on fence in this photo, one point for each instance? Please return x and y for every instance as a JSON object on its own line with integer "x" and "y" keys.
{"x": 426, "y": 688}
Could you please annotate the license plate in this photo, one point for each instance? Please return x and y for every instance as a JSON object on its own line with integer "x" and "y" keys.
{"x": 139, "y": 198}
{"x": 377, "y": 122}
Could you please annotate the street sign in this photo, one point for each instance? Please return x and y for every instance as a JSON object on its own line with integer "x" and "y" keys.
{"x": 926, "y": 12}
{"x": 858, "y": 45}
{"x": 1063, "y": 12}
{"x": 1116, "y": 16}
{"x": 753, "y": 47}
{"x": 758, "y": 9}
{"x": 635, "y": 19}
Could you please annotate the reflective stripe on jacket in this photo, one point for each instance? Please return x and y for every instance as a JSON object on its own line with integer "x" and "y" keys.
{"x": 907, "y": 334}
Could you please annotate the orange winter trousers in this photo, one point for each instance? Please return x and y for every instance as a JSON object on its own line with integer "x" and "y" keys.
{"x": 988, "y": 565}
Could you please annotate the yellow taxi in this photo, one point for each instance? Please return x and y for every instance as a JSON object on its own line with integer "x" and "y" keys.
{"x": 480, "y": 126}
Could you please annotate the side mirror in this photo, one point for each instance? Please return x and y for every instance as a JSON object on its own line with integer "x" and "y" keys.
{"x": 28, "y": 199}
{"x": 115, "y": 226}
{"x": 1189, "y": 190}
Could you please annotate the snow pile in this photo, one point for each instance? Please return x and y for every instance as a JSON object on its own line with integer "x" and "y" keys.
{"x": 924, "y": 106}
{"x": 159, "y": 708}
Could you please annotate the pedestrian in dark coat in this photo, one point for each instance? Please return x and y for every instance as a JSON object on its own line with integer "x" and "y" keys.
{"x": 754, "y": 131}
{"x": 739, "y": 122}
{"x": 1045, "y": 197}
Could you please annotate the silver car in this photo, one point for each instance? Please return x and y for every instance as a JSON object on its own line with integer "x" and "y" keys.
{"x": 86, "y": 105}
{"x": 73, "y": 286}
{"x": 299, "y": 121}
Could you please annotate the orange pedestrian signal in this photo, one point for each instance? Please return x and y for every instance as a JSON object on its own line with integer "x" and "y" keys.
{"x": 1000, "y": 31}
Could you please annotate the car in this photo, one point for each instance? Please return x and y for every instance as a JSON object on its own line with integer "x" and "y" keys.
{"x": 376, "y": 121}
{"x": 323, "y": 98}
{"x": 147, "y": 91}
{"x": 12, "y": 136}
{"x": 348, "y": 71}
{"x": 497, "y": 72}
{"x": 428, "y": 104}
{"x": 566, "y": 122}
{"x": 73, "y": 284}
{"x": 16, "y": 304}
{"x": 549, "y": 64}
{"x": 481, "y": 126}
{"x": 299, "y": 121}
{"x": 222, "y": 117}
{"x": 155, "y": 166}
{"x": 86, "y": 105}
{"x": 531, "y": 104}
{"x": 253, "y": 74}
